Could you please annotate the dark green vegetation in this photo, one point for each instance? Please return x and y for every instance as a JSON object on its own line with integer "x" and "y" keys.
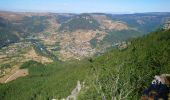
{"x": 4, "y": 66}
{"x": 34, "y": 24}
{"x": 93, "y": 42}
{"x": 61, "y": 18}
{"x": 124, "y": 74}
{"x": 121, "y": 74}
{"x": 45, "y": 82}
{"x": 84, "y": 21}
{"x": 118, "y": 36}
{"x": 6, "y": 35}
{"x": 42, "y": 50}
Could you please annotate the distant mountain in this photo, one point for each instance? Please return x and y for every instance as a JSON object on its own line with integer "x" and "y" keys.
{"x": 13, "y": 27}
{"x": 77, "y": 35}
{"x": 80, "y": 22}
{"x": 145, "y": 22}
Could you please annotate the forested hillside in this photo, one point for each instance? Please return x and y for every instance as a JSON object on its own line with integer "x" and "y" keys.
{"x": 118, "y": 74}
{"x": 124, "y": 74}
{"x": 7, "y": 35}
{"x": 84, "y": 22}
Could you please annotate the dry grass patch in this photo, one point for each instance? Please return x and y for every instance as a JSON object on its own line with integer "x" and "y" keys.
{"x": 32, "y": 55}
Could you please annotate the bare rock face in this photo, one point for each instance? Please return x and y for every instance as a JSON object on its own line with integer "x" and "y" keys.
{"x": 75, "y": 92}
{"x": 167, "y": 25}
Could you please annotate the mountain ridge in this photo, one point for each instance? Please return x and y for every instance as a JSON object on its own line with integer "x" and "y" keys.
{"x": 74, "y": 31}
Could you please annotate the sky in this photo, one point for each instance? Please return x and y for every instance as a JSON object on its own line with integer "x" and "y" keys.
{"x": 86, "y": 6}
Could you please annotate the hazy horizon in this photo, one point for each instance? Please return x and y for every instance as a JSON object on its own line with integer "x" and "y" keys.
{"x": 80, "y": 6}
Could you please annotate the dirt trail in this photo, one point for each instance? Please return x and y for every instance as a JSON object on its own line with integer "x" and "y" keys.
{"x": 9, "y": 72}
{"x": 14, "y": 74}
{"x": 17, "y": 74}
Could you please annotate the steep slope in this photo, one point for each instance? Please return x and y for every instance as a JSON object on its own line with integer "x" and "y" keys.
{"x": 124, "y": 74}
{"x": 80, "y": 22}
{"x": 118, "y": 74}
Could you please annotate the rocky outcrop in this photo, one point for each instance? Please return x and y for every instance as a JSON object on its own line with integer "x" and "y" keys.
{"x": 159, "y": 88}
{"x": 75, "y": 91}
{"x": 167, "y": 25}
